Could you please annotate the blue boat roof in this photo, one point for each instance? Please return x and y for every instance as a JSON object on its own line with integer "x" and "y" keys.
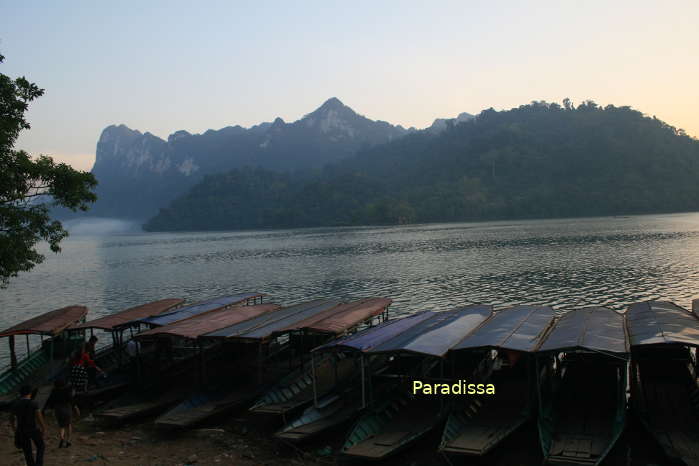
{"x": 593, "y": 328}
{"x": 520, "y": 328}
{"x": 661, "y": 322}
{"x": 196, "y": 309}
{"x": 427, "y": 333}
{"x": 370, "y": 338}
{"x": 265, "y": 326}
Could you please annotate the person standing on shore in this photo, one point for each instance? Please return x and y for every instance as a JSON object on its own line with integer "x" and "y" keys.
{"x": 62, "y": 400}
{"x": 29, "y": 426}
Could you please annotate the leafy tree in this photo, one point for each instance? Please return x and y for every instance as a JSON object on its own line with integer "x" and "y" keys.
{"x": 29, "y": 188}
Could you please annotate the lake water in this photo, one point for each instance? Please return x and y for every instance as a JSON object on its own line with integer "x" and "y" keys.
{"x": 563, "y": 263}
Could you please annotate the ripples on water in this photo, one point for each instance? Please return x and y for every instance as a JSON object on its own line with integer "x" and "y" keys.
{"x": 562, "y": 263}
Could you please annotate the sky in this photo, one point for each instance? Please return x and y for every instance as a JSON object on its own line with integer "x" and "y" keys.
{"x": 164, "y": 66}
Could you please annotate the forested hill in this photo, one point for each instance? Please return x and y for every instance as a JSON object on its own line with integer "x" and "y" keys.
{"x": 538, "y": 160}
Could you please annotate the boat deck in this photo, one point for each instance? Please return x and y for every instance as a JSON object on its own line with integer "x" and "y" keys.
{"x": 669, "y": 409}
{"x": 476, "y": 433}
{"x": 299, "y": 392}
{"x": 203, "y": 406}
{"x": 410, "y": 422}
{"x": 331, "y": 411}
{"x": 584, "y": 428}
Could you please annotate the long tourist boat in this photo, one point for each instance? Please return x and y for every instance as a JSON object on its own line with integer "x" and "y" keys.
{"x": 278, "y": 338}
{"x": 112, "y": 358}
{"x": 416, "y": 345}
{"x": 329, "y": 371}
{"x": 582, "y": 374}
{"x": 121, "y": 326}
{"x": 477, "y": 424}
{"x": 41, "y": 364}
{"x": 664, "y": 392}
{"x": 163, "y": 367}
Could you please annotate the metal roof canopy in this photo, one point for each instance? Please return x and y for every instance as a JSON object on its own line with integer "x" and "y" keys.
{"x": 209, "y": 322}
{"x": 123, "y": 318}
{"x": 661, "y": 322}
{"x": 265, "y": 326}
{"x": 370, "y": 338}
{"x": 344, "y": 316}
{"x": 592, "y": 328}
{"x": 50, "y": 323}
{"x": 519, "y": 328}
{"x": 427, "y": 333}
{"x": 438, "y": 334}
{"x": 196, "y": 309}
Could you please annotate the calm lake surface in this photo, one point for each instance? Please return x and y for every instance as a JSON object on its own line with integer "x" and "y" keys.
{"x": 563, "y": 263}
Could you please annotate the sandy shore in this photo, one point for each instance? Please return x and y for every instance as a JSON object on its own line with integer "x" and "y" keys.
{"x": 146, "y": 445}
{"x": 246, "y": 440}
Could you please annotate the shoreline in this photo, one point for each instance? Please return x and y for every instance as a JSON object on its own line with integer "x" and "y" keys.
{"x": 245, "y": 439}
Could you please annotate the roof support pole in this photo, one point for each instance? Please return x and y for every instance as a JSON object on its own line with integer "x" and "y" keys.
{"x": 28, "y": 350}
{"x": 13, "y": 355}
{"x": 313, "y": 376}
{"x": 259, "y": 362}
{"x": 363, "y": 383}
{"x": 202, "y": 370}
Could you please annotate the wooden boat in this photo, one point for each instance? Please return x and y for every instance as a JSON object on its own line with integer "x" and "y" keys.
{"x": 392, "y": 426}
{"x": 582, "y": 381}
{"x": 477, "y": 424}
{"x": 161, "y": 395}
{"x": 120, "y": 327}
{"x": 40, "y": 364}
{"x": 664, "y": 390}
{"x": 418, "y": 342}
{"x": 279, "y": 337}
{"x": 204, "y": 405}
{"x": 112, "y": 358}
{"x": 295, "y": 390}
{"x": 330, "y": 411}
{"x": 137, "y": 405}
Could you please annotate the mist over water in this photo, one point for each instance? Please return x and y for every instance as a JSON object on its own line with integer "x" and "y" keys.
{"x": 563, "y": 263}
{"x": 97, "y": 226}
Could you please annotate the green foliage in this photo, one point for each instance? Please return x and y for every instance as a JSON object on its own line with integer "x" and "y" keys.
{"x": 28, "y": 188}
{"x": 538, "y": 160}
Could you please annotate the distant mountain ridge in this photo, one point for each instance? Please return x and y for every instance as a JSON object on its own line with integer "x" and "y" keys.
{"x": 536, "y": 161}
{"x": 140, "y": 172}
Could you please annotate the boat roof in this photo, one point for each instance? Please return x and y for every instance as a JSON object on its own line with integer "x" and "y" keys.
{"x": 122, "y": 318}
{"x": 344, "y": 316}
{"x": 49, "y": 323}
{"x": 661, "y": 322}
{"x": 370, "y": 338}
{"x": 427, "y": 333}
{"x": 192, "y": 310}
{"x": 519, "y": 328}
{"x": 591, "y": 328}
{"x": 210, "y": 321}
{"x": 265, "y": 326}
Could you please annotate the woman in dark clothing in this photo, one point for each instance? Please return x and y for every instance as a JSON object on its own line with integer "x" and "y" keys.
{"x": 62, "y": 401}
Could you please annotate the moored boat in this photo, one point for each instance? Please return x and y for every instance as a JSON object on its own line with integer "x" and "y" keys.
{"x": 417, "y": 345}
{"x": 113, "y": 358}
{"x": 582, "y": 374}
{"x": 664, "y": 392}
{"x": 44, "y": 362}
{"x": 182, "y": 376}
{"x": 477, "y": 424}
{"x": 329, "y": 371}
{"x": 280, "y": 340}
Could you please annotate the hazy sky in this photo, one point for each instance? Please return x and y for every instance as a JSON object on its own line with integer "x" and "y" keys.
{"x": 164, "y": 66}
